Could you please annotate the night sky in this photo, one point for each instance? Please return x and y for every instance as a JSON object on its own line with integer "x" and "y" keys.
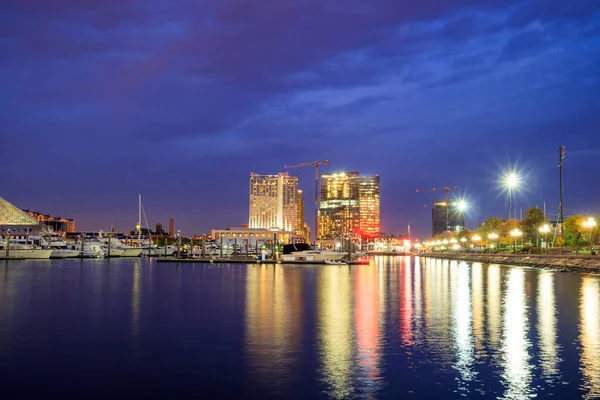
{"x": 181, "y": 100}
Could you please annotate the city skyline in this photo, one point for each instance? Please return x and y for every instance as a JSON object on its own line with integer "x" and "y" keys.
{"x": 425, "y": 96}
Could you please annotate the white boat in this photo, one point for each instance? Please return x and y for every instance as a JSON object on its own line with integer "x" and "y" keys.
{"x": 18, "y": 250}
{"x": 118, "y": 248}
{"x": 90, "y": 249}
{"x": 305, "y": 252}
{"x": 60, "y": 249}
{"x": 153, "y": 251}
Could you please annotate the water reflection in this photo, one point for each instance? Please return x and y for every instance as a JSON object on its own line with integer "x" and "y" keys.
{"x": 494, "y": 303}
{"x": 273, "y": 324}
{"x": 590, "y": 337}
{"x": 366, "y": 313}
{"x": 406, "y": 306}
{"x": 462, "y": 329}
{"x": 334, "y": 302}
{"x": 517, "y": 370}
{"x": 549, "y": 349}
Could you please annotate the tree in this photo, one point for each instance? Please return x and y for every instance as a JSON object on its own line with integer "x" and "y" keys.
{"x": 532, "y": 223}
{"x": 560, "y": 242}
{"x": 506, "y": 228}
{"x": 490, "y": 225}
{"x": 573, "y": 230}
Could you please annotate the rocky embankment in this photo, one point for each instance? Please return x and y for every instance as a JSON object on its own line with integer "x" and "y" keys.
{"x": 565, "y": 263}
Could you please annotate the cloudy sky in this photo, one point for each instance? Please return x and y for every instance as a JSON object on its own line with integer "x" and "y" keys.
{"x": 180, "y": 100}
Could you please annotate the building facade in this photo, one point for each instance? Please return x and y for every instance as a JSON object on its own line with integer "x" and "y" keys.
{"x": 369, "y": 203}
{"x": 302, "y": 232}
{"x": 273, "y": 202}
{"x": 57, "y": 224}
{"x": 339, "y": 210}
{"x": 253, "y": 236}
{"x": 446, "y": 217}
{"x": 350, "y": 205}
{"x": 16, "y": 221}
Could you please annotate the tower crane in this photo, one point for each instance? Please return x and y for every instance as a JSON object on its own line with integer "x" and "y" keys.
{"x": 316, "y": 165}
{"x": 447, "y": 190}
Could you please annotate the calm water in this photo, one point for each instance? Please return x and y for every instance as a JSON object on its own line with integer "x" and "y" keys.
{"x": 399, "y": 328}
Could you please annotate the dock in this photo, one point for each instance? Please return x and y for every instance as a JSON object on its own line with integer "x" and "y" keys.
{"x": 247, "y": 261}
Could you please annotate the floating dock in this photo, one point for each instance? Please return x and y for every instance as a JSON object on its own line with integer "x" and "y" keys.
{"x": 247, "y": 261}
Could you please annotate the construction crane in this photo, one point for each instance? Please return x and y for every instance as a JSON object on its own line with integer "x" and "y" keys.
{"x": 316, "y": 165}
{"x": 447, "y": 190}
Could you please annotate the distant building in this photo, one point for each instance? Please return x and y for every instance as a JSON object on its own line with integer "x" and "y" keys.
{"x": 171, "y": 227}
{"x": 18, "y": 222}
{"x": 302, "y": 232}
{"x": 254, "y": 236}
{"x": 57, "y": 224}
{"x": 350, "y": 205}
{"x": 159, "y": 229}
{"x": 446, "y": 217}
{"x": 273, "y": 202}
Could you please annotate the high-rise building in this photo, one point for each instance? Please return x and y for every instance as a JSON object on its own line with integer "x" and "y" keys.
{"x": 446, "y": 217}
{"x": 159, "y": 229}
{"x": 273, "y": 200}
{"x": 350, "y": 204}
{"x": 302, "y": 232}
{"x": 369, "y": 203}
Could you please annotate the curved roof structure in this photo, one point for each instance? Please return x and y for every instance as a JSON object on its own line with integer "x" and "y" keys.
{"x": 11, "y": 215}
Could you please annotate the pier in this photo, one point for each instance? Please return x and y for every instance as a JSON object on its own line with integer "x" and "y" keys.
{"x": 248, "y": 261}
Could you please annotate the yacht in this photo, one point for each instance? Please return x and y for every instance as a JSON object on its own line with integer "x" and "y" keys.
{"x": 28, "y": 251}
{"x": 116, "y": 245}
{"x": 90, "y": 249}
{"x": 306, "y": 252}
{"x": 60, "y": 249}
{"x": 154, "y": 251}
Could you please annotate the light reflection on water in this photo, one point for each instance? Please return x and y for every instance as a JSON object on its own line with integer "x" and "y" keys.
{"x": 400, "y": 327}
{"x": 590, "y": 336}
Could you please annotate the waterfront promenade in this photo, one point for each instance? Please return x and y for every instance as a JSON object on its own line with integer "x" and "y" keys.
{"x": 565, "y": 262}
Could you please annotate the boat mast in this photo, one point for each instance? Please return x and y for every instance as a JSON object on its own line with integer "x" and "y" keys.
{"x": 139, "y": 224}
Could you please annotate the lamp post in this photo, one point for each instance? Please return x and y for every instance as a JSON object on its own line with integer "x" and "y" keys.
{"x": 544, "y": 230}
{"x": 476, "y": 240}
{"x": 463, "y": 240}
{"x": 453, "y": 243}
{"x": 590, "y": 223}
{"x": 492, "y": 237}
{"x": 515, "y": 233}
{"x": 511, "y": 182}
{"x": 445, "y": 243}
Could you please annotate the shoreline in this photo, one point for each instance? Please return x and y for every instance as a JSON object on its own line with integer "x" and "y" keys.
{"x": 560, "y": 263}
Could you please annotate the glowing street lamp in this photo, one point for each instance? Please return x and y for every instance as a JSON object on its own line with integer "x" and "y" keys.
{"x": 511, "y": 182}
{"x": 590, "y": 223}
{"x": 545, "y": 229}
{"x": 476, "y": 239}
{"x": 516, "y": 234}
{"x": 463, "y": 240}
{"x": 492, "y": 236}
{"x": 452, "y": 240}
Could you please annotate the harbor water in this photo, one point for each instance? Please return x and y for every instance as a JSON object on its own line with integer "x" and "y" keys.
{"x": 400, "y": 327}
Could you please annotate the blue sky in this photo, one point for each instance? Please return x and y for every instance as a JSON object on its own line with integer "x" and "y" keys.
{"x": 181, "y": 100}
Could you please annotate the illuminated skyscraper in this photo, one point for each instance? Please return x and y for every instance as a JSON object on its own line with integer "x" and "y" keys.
{"x": 302, "y": 233}
{"x": 349, "y": 205}
{"x": 273, "y": 201}
{"x": 368, "y": 202}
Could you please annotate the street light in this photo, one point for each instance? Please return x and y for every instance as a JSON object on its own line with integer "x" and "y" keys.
{"x": 492, "y": 237}
{"x": 545, "y": 229}
{"x": 463, "y": 240}
{"x": 511, "y": 182}
{"x": 476, "y": 239}
{"x": 516, "y": 234}
{"x": 590, "y": 223}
